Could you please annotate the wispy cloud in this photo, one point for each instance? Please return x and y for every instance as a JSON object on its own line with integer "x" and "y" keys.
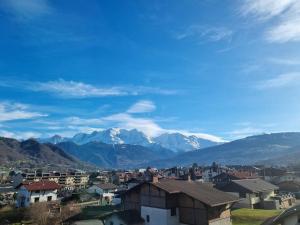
{"x": 72, "y": 89}
{"x": 205, "y": 33}
{"x": 76, "y": 89}
{"x": 282, "y": 80}
{"x": 16, "y": 111}
{"x": 74, "y": 120}
{"x": 245, "y": 132}
{"x": 286, "y": 14}
{"x": 142, "y": 106}
{"x": 19, "y": 135}
{"x": 265, "y": 9}
{"x": 285, "y": 61}
{"x": 24, "y": 10}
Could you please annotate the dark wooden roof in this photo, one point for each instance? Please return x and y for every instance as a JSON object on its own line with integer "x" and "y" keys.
{"x": 202, "y": 192}
{"x": 107, "y": 186}
{"x": 255, "y": 185}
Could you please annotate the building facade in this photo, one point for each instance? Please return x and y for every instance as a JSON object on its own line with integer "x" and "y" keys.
{"x": 178, "y": 202}
{"x": 41, "y": 191}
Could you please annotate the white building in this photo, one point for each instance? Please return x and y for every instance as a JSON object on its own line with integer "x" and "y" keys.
{"x": 41, "y": 191}
{"x": 106, "y": 192}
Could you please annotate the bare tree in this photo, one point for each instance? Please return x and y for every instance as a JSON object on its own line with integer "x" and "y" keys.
{"x": 39, "y": 213}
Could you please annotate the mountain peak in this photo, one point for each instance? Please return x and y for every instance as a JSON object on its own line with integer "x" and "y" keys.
{"x": 175, "y": 141}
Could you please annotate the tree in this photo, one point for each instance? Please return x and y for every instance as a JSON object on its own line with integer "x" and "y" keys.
{"x": 39, "y": 213}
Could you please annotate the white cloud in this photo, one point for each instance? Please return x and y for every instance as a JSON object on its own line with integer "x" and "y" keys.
{"x": 265, "y": 9}
{"x": 74, "y": 89}
{"x": 197, "y": 134}
{"x": 127, "y": 121}
{"x": 286, "y": 31}
{"x": 142, "y": 106}
{"x": 16, "y": 111}
{"x": 80, "y": 121}
{"x": 245, "y": 132}
{"x": 286, "y": 14}
{"x": 25, "y": 10}
{"x": 19, "y": 135}
{"x": 282, "y": 80}
{"x": 285, "y": 61}
{"x": 208, "y": 33}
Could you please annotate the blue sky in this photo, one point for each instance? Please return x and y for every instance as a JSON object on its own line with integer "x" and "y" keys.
{"x": 219, "y": 69}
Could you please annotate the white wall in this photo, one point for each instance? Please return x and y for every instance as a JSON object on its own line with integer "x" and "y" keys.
{"x": 30, "y": 196}
{"x": 159, "y": 216}
{"x": 43, "y": 196}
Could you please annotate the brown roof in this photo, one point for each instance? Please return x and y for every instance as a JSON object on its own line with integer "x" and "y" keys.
{"x": 40, "y": 185}
{"x": 255, "y": 185}
{"x": 107, "y": 186}
{"x": 202, "y": 192}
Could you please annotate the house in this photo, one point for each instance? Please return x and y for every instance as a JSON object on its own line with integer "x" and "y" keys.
{"x": 127, "y": 217}
{"x": 257, "y": 193}
{"x": 175, "y": 202}
{"x": 32, "y": 192}
{"x": 290, "y": 216}
{"x": 106, "y": 192}
{"x": 287, "y": 177}
{"x": 214, "y": 170}
{"x": 224, "y": 178}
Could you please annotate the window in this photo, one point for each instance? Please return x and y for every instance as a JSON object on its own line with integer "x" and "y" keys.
{"x": 36, "y": 199}
{"x": 49, "y": 198}
{"x": 148, "y": 218}
{"x": 173, "y": 211}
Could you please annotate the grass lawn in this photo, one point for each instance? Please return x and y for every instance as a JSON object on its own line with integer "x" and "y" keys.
{"x": 251, "y": 216}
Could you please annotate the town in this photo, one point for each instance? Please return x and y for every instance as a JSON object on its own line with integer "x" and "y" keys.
{"x": 214, "y": 195}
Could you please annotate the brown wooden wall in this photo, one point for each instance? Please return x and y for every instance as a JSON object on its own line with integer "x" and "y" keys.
{"x": 132, "y": 200}
{"x": 152, "y": 196}
{"x": 192, "y": 211}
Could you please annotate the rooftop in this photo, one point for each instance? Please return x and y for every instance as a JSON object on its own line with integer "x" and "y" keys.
{"x": 40, "y": 185}
{"x": 255, "y": 185}
{"x": 107, "y": 186}
{"x": 202, "y": 192}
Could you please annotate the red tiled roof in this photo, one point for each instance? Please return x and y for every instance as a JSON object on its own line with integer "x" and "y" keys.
{"x": 40, "y": 185}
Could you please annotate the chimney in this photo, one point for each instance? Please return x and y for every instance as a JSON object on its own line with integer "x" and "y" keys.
{"x": 154, "y": 179}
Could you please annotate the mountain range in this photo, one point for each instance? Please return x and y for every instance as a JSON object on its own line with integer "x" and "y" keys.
{"x": 31, "y": 152}
{"x": 269, "y": 149}
{"x": 274, "y": 149}
{"x": 175, "y": 142}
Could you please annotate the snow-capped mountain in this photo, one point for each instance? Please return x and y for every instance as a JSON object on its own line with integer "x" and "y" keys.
{"x": 113, "y": 136}
{"x": 176, "y": 142}
{"x": 179, "y": 142}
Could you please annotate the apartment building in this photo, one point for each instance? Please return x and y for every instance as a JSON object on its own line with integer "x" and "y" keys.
{"x": 67, "y": 180}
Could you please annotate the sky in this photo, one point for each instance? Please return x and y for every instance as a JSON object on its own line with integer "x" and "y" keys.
{"x": 222, "y": 70}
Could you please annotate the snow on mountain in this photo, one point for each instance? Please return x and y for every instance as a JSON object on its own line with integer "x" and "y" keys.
{"x": 177, "y": 142}
{"x": 114, "y": 136}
